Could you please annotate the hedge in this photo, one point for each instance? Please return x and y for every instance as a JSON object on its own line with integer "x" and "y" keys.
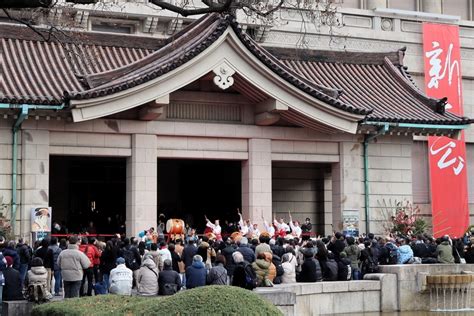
{"x": 208, "y": 300}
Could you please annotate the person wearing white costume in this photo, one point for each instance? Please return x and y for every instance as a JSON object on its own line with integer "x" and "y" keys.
{"x": 244, "y": 229}
{"x": 216, "y": 228}
{"x": 295, "y": 227}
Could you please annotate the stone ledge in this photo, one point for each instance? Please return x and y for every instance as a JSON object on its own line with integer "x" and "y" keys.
{"x": 15, "y": 308}
{"x": 278, "y": 298}
{"x": 371, "y": 285}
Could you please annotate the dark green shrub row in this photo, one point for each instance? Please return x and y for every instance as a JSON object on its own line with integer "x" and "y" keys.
{"x": 208, "y": 300}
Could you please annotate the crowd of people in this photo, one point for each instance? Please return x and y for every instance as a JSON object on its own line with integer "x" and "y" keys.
{"x": 149, "y": 264}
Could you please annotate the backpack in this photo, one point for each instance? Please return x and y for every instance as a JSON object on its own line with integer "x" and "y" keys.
{"x": 392, "y": 253}
{"x": 251, "y": 280}
{"x": 130, "y": 260}
{"x": 370, "y": 265}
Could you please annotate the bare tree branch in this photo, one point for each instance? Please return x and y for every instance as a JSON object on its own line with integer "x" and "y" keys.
{"x": 187, "y": 12}
{"x": 21, "y": 4}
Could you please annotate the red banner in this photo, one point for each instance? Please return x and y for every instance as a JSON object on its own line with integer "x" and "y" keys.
{"x": 447, "y": 157}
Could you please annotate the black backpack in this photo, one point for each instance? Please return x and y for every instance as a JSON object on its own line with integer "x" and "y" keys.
{"x": 370, "y": 265}
{"x": 251, "y": 280}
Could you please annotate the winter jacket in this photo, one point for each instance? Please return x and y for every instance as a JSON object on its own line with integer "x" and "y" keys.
{"x": 72, "y": 262}
{"x": 217, "y": 275}
{"x": 196, "y": 275}
{"x": 331, "y": 272}
{"x": 261, "y": 268}
{"x": 290, "y": 274}
{"x": 229, "y": 261}
{"x": 272, "y": 273}
{"x": 148, "y": 278}
{"x": 14, "y": 254}
{"x": 121, "y": 279}
{"x": 188, "y": 253}
{"x": 420, "y": 249}
{"x": 24, "y": 251}
{"x": 38, "y": 275}
{"x": 107, "y": 260}
{"x": 53, "y": 254}
{"x": 91, "y": 252}
{"x": 168, "y": 276}
{"x": 247, "y": 253}
{"x": 405, "y": 254}
{"x": 337, "y": 247}
{"x": 12, "y": 287}
{"x": 239, "y": 278}
{"x": 343, "y": 266}
{"x": 175, "y": 260}
{"x": 310, "y": 271}
{"x": 157, "y": 259}
{"x": 353, "y": 254}
{"x": 445, "y": 252}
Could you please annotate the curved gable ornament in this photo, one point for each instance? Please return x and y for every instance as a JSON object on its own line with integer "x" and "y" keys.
{"x": 223, "y": 76}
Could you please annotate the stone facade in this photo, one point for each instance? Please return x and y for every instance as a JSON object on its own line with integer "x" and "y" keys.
{"x": 335, "y": 180}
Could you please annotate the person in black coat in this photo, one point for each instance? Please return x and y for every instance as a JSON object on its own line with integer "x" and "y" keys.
{"x": 189, "y": 252}
{"x": 227, "y": 252}
{"x": 108, "y": 260}
{"x": 343, "y": 267}
{"x": 175, "y": 258}
{"x": 246, "y": 251}
{"x": 310, "y": 269}
{"x": 12, "y": 287}
{"x": 420, "y": 249}
{"x": 11, "y": 252}
{"x": 337, "y": 245}
{"x": 242, "y": 269}
{"x": 168, "y": 276}
{"x": 42, "y": 250}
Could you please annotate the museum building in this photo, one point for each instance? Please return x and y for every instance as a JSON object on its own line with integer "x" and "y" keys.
{"x": 205, "y": 122}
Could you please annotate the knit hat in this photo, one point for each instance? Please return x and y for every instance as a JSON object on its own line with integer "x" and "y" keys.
{"x": 342, "y": 254}
{"x": 36, "y": 262}
{"x": 120, "y": 260}
{"x": 9, "y": 261}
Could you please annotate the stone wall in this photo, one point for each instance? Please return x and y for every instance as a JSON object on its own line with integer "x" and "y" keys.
{"x": 326, "y": 298}
{"x": 411, "y": 282}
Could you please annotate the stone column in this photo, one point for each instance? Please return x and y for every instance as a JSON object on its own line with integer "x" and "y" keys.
{"x": 431, "y": 6}
{"x": 34, "y": 177}
{"x": 347, "y": 184}
{"x": 374, "y": 4}
{"x": 257, "y": 182}
{"x": 142, "y": 184}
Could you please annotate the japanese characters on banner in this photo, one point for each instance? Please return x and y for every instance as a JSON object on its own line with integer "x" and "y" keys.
{"x": 447, "y": 157}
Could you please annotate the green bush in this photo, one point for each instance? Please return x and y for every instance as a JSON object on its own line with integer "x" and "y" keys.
{"x": 209, "y": 300}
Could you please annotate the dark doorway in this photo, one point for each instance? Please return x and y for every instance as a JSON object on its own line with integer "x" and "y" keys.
{"x": 190, "y": 189}
{"x": 88, "y": 189}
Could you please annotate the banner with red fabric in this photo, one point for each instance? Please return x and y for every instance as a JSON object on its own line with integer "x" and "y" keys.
{"x": 447, "y": 156}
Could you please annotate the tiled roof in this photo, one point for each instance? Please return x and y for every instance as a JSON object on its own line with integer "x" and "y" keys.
{"x": 372, "y": 84}
{"x": 38, "y": 72}
{"x": 376, "y": 81}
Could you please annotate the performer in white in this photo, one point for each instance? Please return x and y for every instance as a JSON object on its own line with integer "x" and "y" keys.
{"x": 254, "y": 230}
{"x": 295, "y": 227}
{"x": 269, "y": 228}
{"x": 281, "y": 227}
{"x": 216, "y": 228}
{"x": 244, "y": 229}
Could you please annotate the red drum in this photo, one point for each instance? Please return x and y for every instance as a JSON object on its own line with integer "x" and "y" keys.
{"x": 175, "y": 226}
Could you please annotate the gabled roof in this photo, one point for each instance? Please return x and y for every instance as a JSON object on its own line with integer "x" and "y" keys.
{"x": 376, "y": 81}
{"x": 365, "y": 86}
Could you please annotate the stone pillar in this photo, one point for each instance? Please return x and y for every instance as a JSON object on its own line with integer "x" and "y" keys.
{"x": 257, "y": 182}
{"x": 142, "y": 184}
{"x": 374, "y": 4}
{"x": 431, "y": 6}
{"x": 347, "y": 184}
{"x": 328, "y": 209}
{"x": 34, "y": 177}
